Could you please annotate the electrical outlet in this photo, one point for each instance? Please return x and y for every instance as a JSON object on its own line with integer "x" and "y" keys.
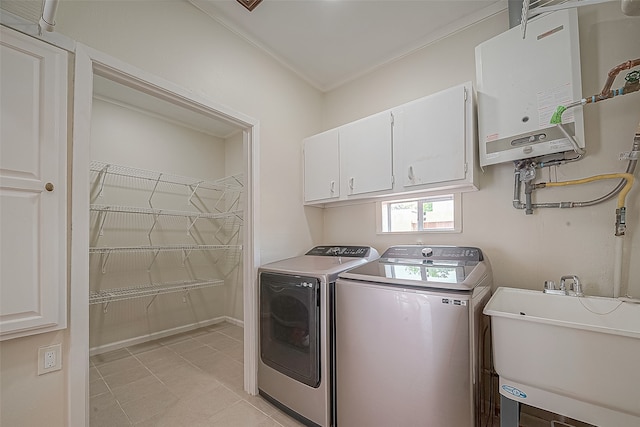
{"x": 49, "y": 359}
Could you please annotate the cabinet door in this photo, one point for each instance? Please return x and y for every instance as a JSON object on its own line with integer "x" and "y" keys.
{"x": 33, "y": 153}
{"x": 431, "y": 138}
{"x": 366, "y": 154}
{"x": 321, "y": 167}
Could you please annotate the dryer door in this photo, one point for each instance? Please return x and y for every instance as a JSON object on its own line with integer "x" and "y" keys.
{"x": 290, "y": 325}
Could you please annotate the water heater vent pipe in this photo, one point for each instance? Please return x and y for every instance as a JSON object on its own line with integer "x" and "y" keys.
{"x": 48, "y": 21}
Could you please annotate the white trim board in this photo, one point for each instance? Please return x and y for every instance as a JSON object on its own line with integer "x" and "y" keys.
{"x": 101, "y": 349}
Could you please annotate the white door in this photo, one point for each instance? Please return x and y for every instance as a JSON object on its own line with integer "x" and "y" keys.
{"x": 431, "y": 137}
{"x": 366, "y": 154}
{"x": 33, "y": 187}
{"x": 321, "y": 166}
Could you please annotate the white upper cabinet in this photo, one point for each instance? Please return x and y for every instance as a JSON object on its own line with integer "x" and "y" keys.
{"x": 321, "y": 166}
{"x": 366, "y": 155}
{"x": 430, "y": 137}
{"x": 424, "y": 146}
{"x": 33, "y": 186}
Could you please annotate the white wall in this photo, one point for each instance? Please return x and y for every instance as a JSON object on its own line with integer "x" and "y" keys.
{"x": 174, "y": 40}
{"x": 524, "y": 250}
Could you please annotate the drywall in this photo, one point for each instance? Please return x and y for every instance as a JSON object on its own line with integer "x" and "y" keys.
{"x": 524, "y": 250}
{"x": 175, "y": 41}
{"x": 179, "y": 43}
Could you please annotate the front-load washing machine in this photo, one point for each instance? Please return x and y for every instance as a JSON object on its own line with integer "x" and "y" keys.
{"x": 296, "y": 329}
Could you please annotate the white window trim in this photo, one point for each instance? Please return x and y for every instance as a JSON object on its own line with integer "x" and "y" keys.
{"x": 457, "y": 215}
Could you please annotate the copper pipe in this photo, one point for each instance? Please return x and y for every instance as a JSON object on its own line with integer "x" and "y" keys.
{"x": 606, "y": 91}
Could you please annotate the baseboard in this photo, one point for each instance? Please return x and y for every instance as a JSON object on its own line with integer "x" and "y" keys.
{"x": 162, "y": 334}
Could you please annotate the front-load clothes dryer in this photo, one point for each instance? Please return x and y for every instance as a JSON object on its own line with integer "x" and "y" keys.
{"x": 296, "y": 329}
{"x": 407, "y": 338}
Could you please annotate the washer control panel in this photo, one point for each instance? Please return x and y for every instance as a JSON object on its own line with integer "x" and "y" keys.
{"x": 441, "y": 253}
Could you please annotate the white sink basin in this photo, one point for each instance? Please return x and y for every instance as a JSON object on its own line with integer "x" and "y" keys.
{"x": 578, "y": 357}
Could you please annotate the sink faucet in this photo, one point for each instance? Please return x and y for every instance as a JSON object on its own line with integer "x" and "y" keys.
{"x": 550, "y": 288}
{"x": 576, "y": 285}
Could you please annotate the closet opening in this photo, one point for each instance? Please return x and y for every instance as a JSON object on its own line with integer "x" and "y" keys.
{"x": 163, "y": 220}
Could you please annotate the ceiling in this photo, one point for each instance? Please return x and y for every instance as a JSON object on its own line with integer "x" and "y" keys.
{"x": 330, "y": 42}
{"x": 114, "y": 92}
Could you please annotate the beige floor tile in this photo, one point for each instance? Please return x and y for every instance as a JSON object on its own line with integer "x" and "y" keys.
{"x": 158, "y": 353}
{"x": 210, "y": 403}
{"x": 97, "y": 387}
{"x": 94, "y": 374}
{"x": 122, "y": 378}
{"x": 217, "y": 340}
{"x": 185, "y": 345}
{"x": 236, "y": 352}
{"x": 286, "y": 420}
{"x": 269, "y": 422}
{"x": 240, "y": 414}
{"x": 233, "y": 331}
{"x": 101, "y": 402}
{"x": 260, "y": 403}
{"x": 137, "y": 389}
{"x": 236, "y": 385}
{"x": 113, "y": 416}
{"x": 116, "y": 366}
{"x": 201, "y": 356}
{"x": 149, "y": 405}
{"x": 183, "y": 381}
{"x": 223, "y": 368}
{"x": 169, "y": 419}
{"x": 160, "y": 359}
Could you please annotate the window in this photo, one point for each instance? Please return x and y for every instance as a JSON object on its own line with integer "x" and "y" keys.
{"x": 423, "y": 215}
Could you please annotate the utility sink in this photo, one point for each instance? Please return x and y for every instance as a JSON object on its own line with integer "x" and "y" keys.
{"x": 574, "y": 356}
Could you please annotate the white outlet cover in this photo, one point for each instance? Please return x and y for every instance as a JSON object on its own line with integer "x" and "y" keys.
{"x": 49, "y": 359}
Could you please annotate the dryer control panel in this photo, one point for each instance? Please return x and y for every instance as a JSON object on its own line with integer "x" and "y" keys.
{"x": 348, "y": 251}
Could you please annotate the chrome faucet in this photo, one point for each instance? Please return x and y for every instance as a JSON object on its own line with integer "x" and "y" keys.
{"x": 550, "y": 288}
{"x": 576, "y": 286}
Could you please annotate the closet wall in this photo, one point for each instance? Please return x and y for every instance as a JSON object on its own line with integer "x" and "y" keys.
{"x": 166, "y": 244}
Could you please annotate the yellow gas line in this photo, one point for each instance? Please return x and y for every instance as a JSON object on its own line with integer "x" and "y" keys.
{"x": 621, "y": 196}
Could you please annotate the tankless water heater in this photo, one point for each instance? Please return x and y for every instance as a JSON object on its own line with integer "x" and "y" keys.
{"x": 521, "y": 82}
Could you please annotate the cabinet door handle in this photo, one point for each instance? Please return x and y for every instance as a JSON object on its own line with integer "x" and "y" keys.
{"x": 411, "y": 175}
{"x": 332, "y": 188}
{"x": 48, "y": 186}
{"x": 351, "y": 183}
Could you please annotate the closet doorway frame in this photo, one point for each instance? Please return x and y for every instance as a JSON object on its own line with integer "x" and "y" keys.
{"x": 88, "y": 63}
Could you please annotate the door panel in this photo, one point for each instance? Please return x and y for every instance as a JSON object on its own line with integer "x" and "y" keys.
{"x": 290, "y": 326}
{"x": 33, "y": 155}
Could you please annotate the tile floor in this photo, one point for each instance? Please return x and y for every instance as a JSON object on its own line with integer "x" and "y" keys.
{"x": 187, "y": 380}
{"x": 192, "y": 379}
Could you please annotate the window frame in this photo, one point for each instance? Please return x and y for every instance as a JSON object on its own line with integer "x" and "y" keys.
{"x": 457, "y": 213}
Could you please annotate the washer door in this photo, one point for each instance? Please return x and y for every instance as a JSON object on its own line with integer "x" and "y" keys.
{"x": 290, "y": 325}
